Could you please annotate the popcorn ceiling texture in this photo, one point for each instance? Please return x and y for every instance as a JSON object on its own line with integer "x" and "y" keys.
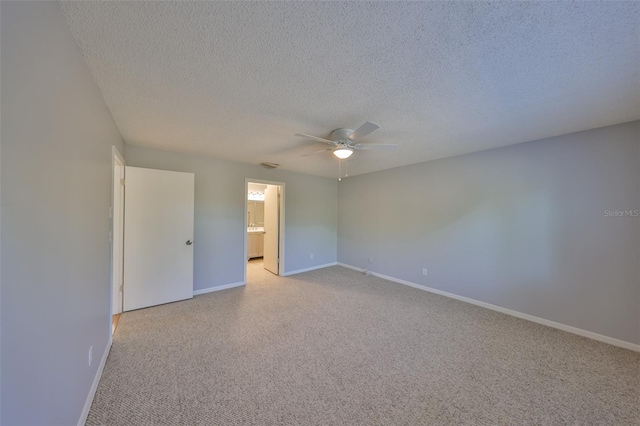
{"x": 236, "y": 80}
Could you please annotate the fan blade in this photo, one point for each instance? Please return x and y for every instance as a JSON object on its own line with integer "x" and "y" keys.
{"x": 363, "y": 131}
{"x": 316, "y": 152}
{"x": 315, "y": 138}
{"x": 376, "y": 146}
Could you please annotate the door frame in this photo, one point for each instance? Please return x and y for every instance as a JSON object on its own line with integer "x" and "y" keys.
{"x": 116, "y": 158}
{"x": 281, "y": 224}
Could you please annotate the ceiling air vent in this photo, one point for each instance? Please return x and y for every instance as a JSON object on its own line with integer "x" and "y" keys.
{"x": 269, "y": 165}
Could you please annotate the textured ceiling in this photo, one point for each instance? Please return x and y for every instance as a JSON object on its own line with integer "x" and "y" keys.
{"x": 236, "y": 80}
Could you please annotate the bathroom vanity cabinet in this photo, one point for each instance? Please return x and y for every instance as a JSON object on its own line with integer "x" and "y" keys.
{"x": 255, "y": 244}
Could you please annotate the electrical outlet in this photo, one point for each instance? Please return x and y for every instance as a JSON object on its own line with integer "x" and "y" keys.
{"x": 424, "y": 271}
{"x": 90, "y": 355}
{"x": 311, "y": 256}
{"x": 371, "y": 260}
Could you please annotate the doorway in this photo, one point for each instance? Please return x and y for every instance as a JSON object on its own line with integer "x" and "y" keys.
{"x": 264, "y": 234}
{"x": 117, "y": 237}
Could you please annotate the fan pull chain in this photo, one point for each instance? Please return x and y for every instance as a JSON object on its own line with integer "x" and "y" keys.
{"x": 346, "y": 169}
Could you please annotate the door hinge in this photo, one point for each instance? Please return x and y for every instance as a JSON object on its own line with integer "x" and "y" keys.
{"x": 110, "y": 236}
{"x": 122, "y": 182}
{"x": 110, "y": 212}
{"x": 121, "y": 288}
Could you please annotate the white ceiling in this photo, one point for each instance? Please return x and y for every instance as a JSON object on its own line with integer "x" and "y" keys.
{"x": 236, "y": 80}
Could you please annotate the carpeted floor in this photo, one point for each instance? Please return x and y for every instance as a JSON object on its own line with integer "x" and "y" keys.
{"x": 333, "y": 347}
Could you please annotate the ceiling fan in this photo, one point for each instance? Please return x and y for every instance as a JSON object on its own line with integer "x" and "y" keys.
{"x": 343, "y": 142}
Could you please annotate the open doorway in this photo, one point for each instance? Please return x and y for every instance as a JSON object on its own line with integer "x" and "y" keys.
{"x": 117, "y": 237}
{"x": 264, "y": 236}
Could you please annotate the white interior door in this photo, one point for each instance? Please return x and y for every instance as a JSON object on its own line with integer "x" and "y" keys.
{"x": 158, "y": 250}
{"x": 271, "y": 228}
{"x": 117, "y": 234}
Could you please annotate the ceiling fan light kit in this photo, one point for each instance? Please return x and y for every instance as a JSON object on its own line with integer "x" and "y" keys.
{"x": 342, "y": 152}
{"x": 344, "y": 141}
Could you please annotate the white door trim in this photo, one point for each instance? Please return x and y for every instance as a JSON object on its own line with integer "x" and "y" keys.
{"x": 281, "y": 267}
{"x": 116, "y": 158}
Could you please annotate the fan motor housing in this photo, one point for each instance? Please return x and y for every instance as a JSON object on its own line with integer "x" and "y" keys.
{"x": 340, "y": 134}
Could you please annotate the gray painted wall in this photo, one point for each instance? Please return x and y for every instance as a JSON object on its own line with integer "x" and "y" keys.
{"x": 56, "y": 137}
{"x": 310, "y": 213}
{"x": 522, "y": 227}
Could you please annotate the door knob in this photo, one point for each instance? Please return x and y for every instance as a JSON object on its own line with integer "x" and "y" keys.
{"x": 189, "y": 242}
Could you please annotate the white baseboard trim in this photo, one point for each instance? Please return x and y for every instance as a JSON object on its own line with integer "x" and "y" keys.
{"x": 94, "y": 385}
{"x": 217, "y": 288}
{"x": 313, "y": 268}
{"x": 559, "y": 326}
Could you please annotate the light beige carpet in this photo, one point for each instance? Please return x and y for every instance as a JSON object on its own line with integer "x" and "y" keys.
{"x": 333, "y": 347}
